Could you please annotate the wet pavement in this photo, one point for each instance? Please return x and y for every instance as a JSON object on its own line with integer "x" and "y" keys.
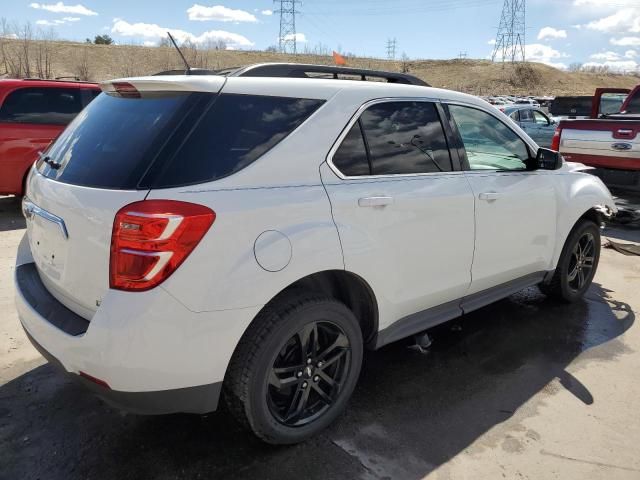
{"x": 524, "y": 388}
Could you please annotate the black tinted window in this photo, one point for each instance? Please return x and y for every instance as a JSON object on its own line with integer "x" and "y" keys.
{"x": 233, "y": 133}
{"x": 54, "y": 106}
{"x": 405, "y": 137}
{"x": 351, "y": 157}
{"x": 571, "y": 106}
{"x": 114, "y": 140}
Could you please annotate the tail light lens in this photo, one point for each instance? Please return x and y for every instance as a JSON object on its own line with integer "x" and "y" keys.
{"x": 555, "y": 142}
{"x": 152, "y": 238}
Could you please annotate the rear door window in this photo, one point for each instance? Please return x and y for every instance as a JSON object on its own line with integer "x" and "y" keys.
{"x": 36, "y": 105}
{"x": 405, "y": 138}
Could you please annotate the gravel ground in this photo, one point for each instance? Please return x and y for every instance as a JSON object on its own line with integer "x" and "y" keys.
{"x": 525, "y": 388}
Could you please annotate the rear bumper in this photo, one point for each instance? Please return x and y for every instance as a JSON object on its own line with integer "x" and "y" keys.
{"x": 155, "y": 355}
{"x": 200, "y": 399}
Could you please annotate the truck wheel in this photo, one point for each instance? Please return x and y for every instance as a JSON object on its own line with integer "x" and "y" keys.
{"x": 577, "y": 265}
{"x": 295, "y": 368}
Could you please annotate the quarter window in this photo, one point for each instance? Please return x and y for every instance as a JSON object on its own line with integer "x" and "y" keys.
{"x": 351, "y": 158}
{"x": 52, "y": 106}
{"x": 489, "y": 143}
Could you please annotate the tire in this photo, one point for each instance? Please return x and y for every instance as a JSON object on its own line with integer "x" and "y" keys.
{"x": 573, "y": 277}
{"x": 270, "y": 375}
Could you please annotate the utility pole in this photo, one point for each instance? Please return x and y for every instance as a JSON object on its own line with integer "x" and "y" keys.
{"x": 392, "y": 43}
{"x": 287, "y": 39}
{"x": 462, "y": 55}
{"x": 510, "y": 40}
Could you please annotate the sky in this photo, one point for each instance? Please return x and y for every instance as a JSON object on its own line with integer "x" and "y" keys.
{"x": 559, "y": 32}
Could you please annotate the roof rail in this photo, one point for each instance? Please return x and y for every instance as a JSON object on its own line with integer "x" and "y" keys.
{"x": 300, "y": 70}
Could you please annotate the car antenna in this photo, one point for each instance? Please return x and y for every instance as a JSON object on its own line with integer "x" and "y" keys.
{"x": 186, "y": 64}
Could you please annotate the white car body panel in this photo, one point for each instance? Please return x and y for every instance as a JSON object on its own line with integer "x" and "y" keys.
{"x": 516, "y": 232}
{"x": 405, "y": 250}
{"x": 436, "y": 243}
{"x": 75, "y": 270}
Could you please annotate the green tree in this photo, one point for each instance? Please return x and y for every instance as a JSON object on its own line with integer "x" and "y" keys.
{"x": 103, "y": 40}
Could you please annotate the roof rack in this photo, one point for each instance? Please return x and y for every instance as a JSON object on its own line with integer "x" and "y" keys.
{"x": 300, "y": 70}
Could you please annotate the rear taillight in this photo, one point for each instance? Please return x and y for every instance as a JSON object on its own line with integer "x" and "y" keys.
{"x": 152, "y": 238}
{"x": 555, "y": 141}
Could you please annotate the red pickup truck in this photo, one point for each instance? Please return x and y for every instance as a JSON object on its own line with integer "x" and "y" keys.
{"x": 32, "y": 114}
{"x": 610, "y": 143}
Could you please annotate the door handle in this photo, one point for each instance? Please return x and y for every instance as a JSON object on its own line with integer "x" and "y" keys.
{"x": 489, "y": 196}
{"x": 375, "y": 201}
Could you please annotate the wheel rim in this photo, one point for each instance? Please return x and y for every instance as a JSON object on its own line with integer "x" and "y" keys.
{"x": 581, "y": 262}
{"x": 308, "y": 373}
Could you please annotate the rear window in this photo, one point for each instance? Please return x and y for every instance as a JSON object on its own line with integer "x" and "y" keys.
{"x": 175, "y": 139}
{"x": 571, "y": 106}
{"x": 49, "y": 106}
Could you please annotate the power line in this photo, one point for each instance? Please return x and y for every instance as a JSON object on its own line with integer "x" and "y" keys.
{"x": 287, "y": 40}
{"x": 510, "y": 40}
{"x": 391, "y": 48}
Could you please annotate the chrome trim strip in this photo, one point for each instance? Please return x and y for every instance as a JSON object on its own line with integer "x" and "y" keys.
{"x": 30, "y": 209}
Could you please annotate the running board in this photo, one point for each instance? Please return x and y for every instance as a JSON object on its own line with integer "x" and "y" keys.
{"x": 421, "y": 321}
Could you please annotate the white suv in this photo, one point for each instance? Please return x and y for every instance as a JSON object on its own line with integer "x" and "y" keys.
{"x": 247, "y": 235}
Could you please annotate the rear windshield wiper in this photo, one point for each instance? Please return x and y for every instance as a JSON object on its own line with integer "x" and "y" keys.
{"x": 49, "y": 161}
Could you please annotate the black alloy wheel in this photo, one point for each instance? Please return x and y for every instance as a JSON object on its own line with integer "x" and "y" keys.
{"x": 307, "y": 374}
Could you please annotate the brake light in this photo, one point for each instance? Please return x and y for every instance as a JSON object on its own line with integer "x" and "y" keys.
{"x": 151, "y": 239}
{"x": 555, "y": 142}
{"x": 126, "y": 90}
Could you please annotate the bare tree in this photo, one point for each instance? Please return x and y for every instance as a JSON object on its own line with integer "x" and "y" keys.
{"x": 25, "y": 38}
{"x": 44, "y": 53}
{"x": 404, "y": 63}
{"x": 81, "y": 69}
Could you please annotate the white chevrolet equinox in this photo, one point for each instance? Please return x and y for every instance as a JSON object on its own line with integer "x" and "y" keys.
{"x": 245, "y": 235}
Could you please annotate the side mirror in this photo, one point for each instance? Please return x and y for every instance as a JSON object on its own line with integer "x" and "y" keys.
{"x": 548, "y": 159}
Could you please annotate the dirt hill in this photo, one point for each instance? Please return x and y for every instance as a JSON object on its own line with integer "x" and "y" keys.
{"x": 480, "y": 77}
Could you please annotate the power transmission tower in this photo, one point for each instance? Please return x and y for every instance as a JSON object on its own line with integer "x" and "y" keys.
{"x": 463, "y": 55}
{"x": 392, "y": 43}
{"x": 510, "y": 40}
{"x": 287, "y": 39}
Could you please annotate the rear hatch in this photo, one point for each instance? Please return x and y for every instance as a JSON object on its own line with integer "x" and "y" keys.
{"x": 98, "y": 165}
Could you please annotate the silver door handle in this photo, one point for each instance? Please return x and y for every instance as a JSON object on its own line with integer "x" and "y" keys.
{"x": 489, "y": 196}
{"x": 375, "y": 201}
